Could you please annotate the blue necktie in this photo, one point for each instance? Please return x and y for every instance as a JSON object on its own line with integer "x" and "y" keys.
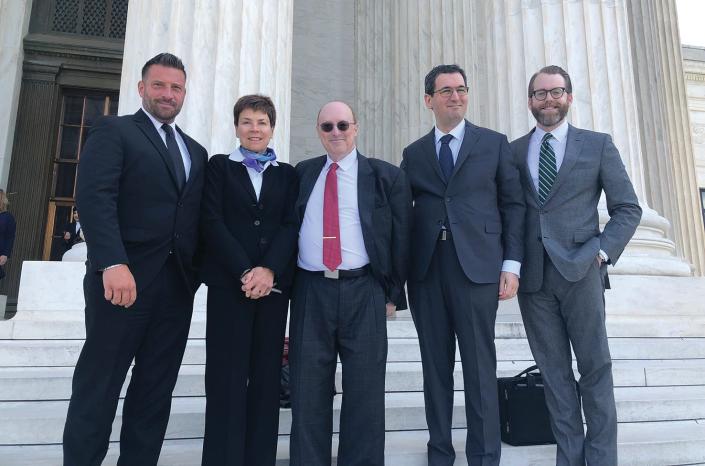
{"x": 445, "y": 157}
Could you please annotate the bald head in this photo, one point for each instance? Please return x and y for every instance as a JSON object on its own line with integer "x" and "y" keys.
{"x": 333, "y": 116}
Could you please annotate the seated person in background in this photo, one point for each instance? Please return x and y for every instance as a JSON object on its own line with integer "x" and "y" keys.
{"x": 72, "y": 230}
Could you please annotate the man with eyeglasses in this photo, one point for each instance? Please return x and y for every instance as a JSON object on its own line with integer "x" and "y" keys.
{"x": 353, "y": 259}
{"x": 467, "y": 240}
{"x": 564, "y": 272}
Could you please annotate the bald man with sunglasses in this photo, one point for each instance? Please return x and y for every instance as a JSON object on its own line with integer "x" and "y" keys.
{"x": 353, "y": 255}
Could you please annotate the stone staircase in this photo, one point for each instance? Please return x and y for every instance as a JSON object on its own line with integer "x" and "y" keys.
{"x": 657, "y": 337}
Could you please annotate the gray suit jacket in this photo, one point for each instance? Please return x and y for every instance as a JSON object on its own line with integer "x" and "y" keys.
{"x": 567, "y": 225}
{"x": 482, "y": 200}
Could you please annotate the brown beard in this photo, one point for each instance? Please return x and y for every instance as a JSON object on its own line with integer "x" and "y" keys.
{"x": 546, "y": 120}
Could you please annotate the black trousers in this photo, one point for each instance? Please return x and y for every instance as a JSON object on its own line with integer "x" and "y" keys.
{"x": 331, "y": 318}
{"x": 444, "y": 305}
{"x": 244, "y": 343}
{"x": 153, "y": 332}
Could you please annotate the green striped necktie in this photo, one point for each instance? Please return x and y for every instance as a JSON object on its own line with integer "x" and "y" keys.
{"x": 547, "y": 167}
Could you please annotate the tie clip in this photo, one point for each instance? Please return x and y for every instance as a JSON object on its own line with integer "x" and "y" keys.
{"x": 329, "y": 237}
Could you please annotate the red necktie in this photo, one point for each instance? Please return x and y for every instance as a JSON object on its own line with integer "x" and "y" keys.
{"x": 331, "y": 224}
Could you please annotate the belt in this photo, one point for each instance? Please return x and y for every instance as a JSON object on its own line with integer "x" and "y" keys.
{"x": 339, "y": 274}
{"x": 444, "y": 235}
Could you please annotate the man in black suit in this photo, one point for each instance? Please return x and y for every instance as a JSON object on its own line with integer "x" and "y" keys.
{"x": 72, "y": 230}
{"x": 467, "y": 238}
{"x": 139, "y": 188}
{"x": 353, "y": 254}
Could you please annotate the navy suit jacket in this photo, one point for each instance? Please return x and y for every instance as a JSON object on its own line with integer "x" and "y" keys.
{"x": 384, "y": 204}
{"x": 482, "y": 201}
{"x": 132, "y": 211}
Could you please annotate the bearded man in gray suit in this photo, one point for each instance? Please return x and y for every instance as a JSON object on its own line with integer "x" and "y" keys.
{"x": 564, "y": 271}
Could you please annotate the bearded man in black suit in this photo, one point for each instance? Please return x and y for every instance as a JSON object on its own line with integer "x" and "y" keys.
{"x": 140, "y": 180}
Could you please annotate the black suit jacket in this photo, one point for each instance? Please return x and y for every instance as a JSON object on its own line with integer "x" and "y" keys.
{"x": 483, "y": 202}
{"x": 242, "y": 232}
{"x": 384, "y": 204}
{"x": 132, "y": 211}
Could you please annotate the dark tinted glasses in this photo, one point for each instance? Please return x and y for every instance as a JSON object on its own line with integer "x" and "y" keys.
{"x": 343, "y": 126}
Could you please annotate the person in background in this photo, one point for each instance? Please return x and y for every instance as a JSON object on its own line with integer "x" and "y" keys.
{"x": 250, "y": 229}
{"x": 72, "y": 230}
{"x": 7, "y": 231}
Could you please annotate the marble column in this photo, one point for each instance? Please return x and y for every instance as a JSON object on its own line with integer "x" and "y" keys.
{"x": 398, "y": 42}
{"x": 229, "y": 47}
{"x": 14, "y": 22}
{"x": 501, "y": 44}
{"x": 667, "y": 145}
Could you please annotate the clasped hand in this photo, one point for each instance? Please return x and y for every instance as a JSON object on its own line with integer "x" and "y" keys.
{"x": 257, "y": 282}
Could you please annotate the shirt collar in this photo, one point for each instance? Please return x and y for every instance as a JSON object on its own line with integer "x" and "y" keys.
{"x": 158, "y": 124}
{"x": 344, "y": 163}
{"x": 458, "y": 132}
{"x": 236, "y": 156}
{"x": 559, "y": 133}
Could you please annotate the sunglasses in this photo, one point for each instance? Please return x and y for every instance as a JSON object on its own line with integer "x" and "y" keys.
{"x": 343, "y": 126}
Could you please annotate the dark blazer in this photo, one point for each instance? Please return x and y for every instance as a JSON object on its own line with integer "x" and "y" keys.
{"x": 8, "y": 227}
{"x": 70, "y": 227}
{"x": 567, "y": 226}
{"x": 241, "y": 232}
{"x": 132, "y": 211}
{"x": 384, "y": 205}
{"x": 482, "y": 200}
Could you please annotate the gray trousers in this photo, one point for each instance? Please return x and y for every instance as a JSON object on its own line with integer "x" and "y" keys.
{"x": 331, "y": 318}
{"x": 559, "y": 315}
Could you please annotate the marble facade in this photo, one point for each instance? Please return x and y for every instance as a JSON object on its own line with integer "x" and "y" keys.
{"x": 375, "y": 54}
{"x": 14, "y": 22}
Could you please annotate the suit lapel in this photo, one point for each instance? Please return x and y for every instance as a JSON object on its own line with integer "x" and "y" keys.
{"x": 145, "y": 125}
{"x": 307, "y": 182}
{"x": 523, "y": 152}
{"x": 196, "y": 165}
{"x": 573, "y": 146}
{"x": 247, "y": 182}
{"x": 269, "y": 181}
{"x": 366, "y": 201}
{"x": 469, "y": 140}
{"x": 428, "y": 145}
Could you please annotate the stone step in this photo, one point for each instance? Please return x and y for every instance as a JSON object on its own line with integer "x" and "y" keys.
{"x": 51, "y": 353}
{"x": 653, "y": 444}
{"x": 54, "y": 383}
{"x": 42, "y": 422}
{"x": 69, "y": 325}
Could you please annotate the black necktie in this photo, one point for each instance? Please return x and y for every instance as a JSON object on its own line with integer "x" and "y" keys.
{"x": 175, "y": 154}
{"x": 445, "y": 156}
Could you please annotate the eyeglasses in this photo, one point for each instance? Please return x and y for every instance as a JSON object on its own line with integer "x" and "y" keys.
{"x": 343, "y": 126}
{"x": 556, "y": 93}
{"x": 448, "y": 91}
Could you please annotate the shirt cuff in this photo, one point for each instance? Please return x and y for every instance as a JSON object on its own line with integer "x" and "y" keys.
{"x": 111, "y": 267}
{"x": 604, "y": 256}
{"x": 511, "y": 266}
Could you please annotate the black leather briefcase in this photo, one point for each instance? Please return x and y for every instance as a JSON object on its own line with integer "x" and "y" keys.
{"x": 523, "y": 414}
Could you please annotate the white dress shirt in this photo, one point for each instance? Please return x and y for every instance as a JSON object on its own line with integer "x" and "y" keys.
{"x": 352, "y": 245}
{"x": 557, "y": 142}
{"x": 185, "y": 155}
{"x": 458, "y": 134}
{"x": 255, "y": 176}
